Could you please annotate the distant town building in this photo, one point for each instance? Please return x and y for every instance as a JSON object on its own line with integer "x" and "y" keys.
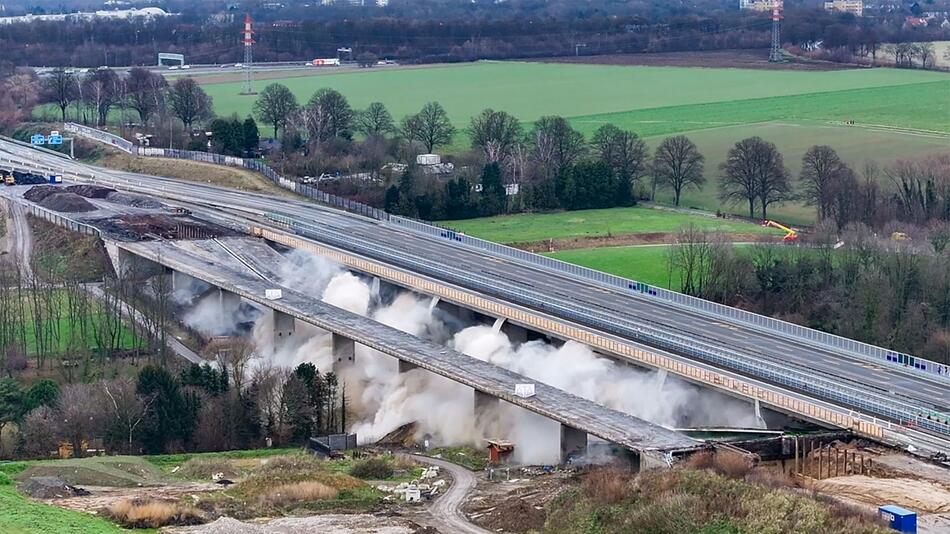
{"x": 756, "y": 5}
{"x": 855, "y": 7}
{"x": 147, "y": 13}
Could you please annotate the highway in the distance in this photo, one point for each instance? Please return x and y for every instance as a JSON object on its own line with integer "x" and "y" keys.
{"x": 557, "y": 288}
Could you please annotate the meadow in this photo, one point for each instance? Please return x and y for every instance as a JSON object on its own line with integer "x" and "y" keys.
{"x": 643, "y": 263}
{"x": 532, "y": 90}
{"x": 530, "y": 227}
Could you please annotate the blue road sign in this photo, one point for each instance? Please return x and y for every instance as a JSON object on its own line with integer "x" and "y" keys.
{"x": 38, "y": 139}
{"x": 54, "y": 140}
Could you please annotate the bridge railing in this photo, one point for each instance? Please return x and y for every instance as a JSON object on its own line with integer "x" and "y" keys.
{"x": 793, "y": 331}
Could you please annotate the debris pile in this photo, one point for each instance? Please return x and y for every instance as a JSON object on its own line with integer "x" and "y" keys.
{"x": 425, "y": 487}
{"x": 66, "y": 203}
{"x": 49, "y": 488}
{"x": 39, "y": 193}
{"x": 90, "y": 191}
{"x": 139, "y": 227}
{"x": 136, "y": 201}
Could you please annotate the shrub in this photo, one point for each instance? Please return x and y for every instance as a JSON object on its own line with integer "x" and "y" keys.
{"x": 729, "y": 464}
{"x": 151, "y": 513}
{"x": 5, "y": 480}
{"x": 307, "y": 491}
{"x": 290, "y": 463}
{"x": 204, "y": 468}
{"x": 608, "y": 485}
{"x": 372, "y": 468}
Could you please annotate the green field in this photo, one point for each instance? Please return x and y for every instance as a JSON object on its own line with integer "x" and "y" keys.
{"x": 643, "y": 263}
{"x": 529, "y": 227}
{"x": 19, "y": 515}
{"x": 532, "y": 90}
{"x": 62, "y": 344}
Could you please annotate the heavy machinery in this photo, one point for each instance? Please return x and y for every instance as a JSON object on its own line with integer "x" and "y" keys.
{"x": 790, "y": 235}
{"x": 7, "y": 177}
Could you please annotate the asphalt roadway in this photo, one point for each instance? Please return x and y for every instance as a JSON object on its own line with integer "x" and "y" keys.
{"x": 627, "y": 309}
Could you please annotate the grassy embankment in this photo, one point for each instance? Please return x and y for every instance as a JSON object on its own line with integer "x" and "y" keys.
{"x": 19, "y": 515}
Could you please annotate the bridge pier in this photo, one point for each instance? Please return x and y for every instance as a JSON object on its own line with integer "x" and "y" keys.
{"x": 483, "y": 405}
{"x": 344, "y": 353}
{"x": 284, "y": 327}
{"x": 573, "y": 442}
{"x": 517, "y": 335}
{"x": 228, "y": 301}
{"x": 130, "y": 266}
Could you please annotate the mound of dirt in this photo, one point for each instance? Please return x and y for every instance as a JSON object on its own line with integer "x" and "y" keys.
{"x": 40, "y": 192}
{"x": 136, "y": 201}
{"x": 515, "y": 515}
{"x": 66, "y": 203}
{"x": 90, "y": 191}
{"x": 116, "y": 471}
{"x": 49, "y": 488}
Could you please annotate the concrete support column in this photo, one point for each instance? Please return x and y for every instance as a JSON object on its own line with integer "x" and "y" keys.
{"x": 517, "y": 335}
{"x": 227, "y": 301}
{"x": 661, "y": 378}
{"x": 405, "y": 367}
{"x": 484, "y": 404}
{"x": 344, "y": 353}
{"x": 758, "y": 415}
{"x": 284, "y": 327}
{"x": 573, "y": 442}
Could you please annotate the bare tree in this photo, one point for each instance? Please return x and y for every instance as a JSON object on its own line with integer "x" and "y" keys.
{"x": 103, "y": 89}
{"x": 431, "y": 127}
{"x": 233, "y": 356}
{"x": 495, "y": 133}
{"x": 622, "y": 150}
{"x": 555, "y": 144}
{"x": 821, "y": 170}
{"x": 375, "y": 120}
{"x": 80, "y": 411}
{"x": 189, "y": 102}
{"x": 145, "y": 92}
{"x": 40, "y": 431}
{"x": 127, "y": 408}
{"x": 690, "y": 256}
{"x": 678, "y": 165}
{"x": 275, "y": 105}
{"x": 59, "y": 87}
{"x": 754, "y": 171}
{"x": 328, "y": 115}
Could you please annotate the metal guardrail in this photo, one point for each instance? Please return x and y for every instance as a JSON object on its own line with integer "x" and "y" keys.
{"x": 792, "y": 331}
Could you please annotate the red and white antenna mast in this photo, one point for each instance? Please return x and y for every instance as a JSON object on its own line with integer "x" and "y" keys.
{"x": 248, "y": 41}
{"x": 775, "y": 54}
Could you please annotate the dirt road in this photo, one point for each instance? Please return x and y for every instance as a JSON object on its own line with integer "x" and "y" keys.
{"x": 446, "y": 510}
{"x": 20, "y": 239}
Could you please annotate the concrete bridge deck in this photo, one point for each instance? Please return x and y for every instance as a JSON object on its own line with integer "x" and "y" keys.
{"x": 575, "y": 412}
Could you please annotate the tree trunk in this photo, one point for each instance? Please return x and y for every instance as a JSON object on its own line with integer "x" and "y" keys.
{"x": 751, "y": 208}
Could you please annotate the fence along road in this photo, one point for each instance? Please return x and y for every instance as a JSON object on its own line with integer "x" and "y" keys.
{"x": 798, "y": 333}
{"x": 907, "y": 397}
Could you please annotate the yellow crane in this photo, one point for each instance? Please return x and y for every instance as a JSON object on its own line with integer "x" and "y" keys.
{"x": 790, "y": 234}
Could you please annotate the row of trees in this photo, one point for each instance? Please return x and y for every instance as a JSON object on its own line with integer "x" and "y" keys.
{"x": 421, "y": 31}
{"x": 144, "y": 92}
{"x": 200, "y": 409}
{"x": 847, "y": 283}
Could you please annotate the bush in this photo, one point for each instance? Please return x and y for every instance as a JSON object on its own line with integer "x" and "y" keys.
{"x": 372, "y": 468}
{"x": 204, "y": 468}
{"x": 608, "y": 485}
{"x": 307, "y": 491}
{"x": 728, "y": 464}
{"x": 5, "y": 480}
{"x": 151, "y": 513}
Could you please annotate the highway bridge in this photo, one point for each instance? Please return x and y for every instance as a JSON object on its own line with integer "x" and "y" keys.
{"x": 883, "y": 400}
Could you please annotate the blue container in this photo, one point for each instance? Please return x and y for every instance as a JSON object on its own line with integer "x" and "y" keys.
{"x": 899, "y": 519}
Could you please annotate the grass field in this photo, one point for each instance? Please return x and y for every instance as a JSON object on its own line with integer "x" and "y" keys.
{"x": 531, "y": 90}
{"x": 19, "y": 515}
{"x": 644, "y": 263}
{"x": 126, "y": 340}
{"x": 530, "y": 227}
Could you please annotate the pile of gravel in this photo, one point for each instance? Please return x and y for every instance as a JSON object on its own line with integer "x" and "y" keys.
{"x": 40, "y": 192}
{"x": 66, "y": 203}
{"x": 136, "y": 201}
{"x": 49, "y": 488}
{"x": 90, "y": 191}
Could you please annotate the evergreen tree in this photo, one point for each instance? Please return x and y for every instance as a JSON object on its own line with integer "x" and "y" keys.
{"x": 172, "y": 415}
{"x": 493, "y": 198}
{"x": 251, "y": 137}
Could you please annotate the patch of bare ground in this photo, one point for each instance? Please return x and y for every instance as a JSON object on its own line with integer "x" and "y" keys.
{"x": 515, "y": 505}
{"x": 922, "y": 496}
{"x": 741, "y": 59}
{"x": 101, "y": 497}
{"x": 649, "y": 238}
{"x": 324, "y": 524}
{"x": 194, "y": 171}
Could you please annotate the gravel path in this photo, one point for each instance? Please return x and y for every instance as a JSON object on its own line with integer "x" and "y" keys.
{"x": 446, "y": 509}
